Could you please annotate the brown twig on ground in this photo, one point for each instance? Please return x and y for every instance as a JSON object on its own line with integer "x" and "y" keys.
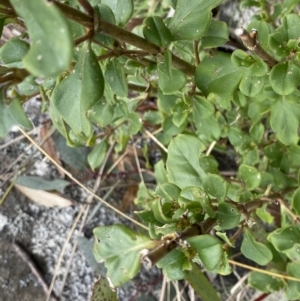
{"x": 251, "y": 42}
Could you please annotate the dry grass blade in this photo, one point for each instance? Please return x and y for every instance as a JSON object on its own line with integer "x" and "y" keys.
{"x": 80, "y": 184}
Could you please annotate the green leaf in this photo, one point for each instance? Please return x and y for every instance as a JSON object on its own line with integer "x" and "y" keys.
{"x": 41, "y": 184}
{"x": 12, "y": 114}
{"x": 77, "y": 93}
{"x": 257, "y": 131}
{"x": 250, "y": 84}
{"x": 101, "y": 113}
{"x": 120, "y": 248}
{"x": 293, "y": 156}
{"x": 284, "y": 121}
{"x": 13, "y": 51}
{"x": 97, "y": 155}
{"x": 255, "y": 250}
{"x": 286, "y": 31}
{"x": 134, "y": 123}
{"x": 155, "y": 31}
{"x": 215, "y": 186}
{"x": 292, "y": 290}
{"x": 265, "y": 283}
{"x": 116, "y": 78}
{"x": 104, "y": 12}
{"x": 168, "y": 191}
{"x": 216, "y": 35}
{"x": 228, "y": 217}
{"x": 296, "y": 201}
{"x": 122, "y": 10}
{"x": 209, "y": 249}
{"x": 103, "y": 292}
{"x": 183, "y": 161}
{"x": 51, "y": 48}
{"x": 240, "y": 58}
{"x": 284, "y": 239}
{"x": 160, "y": 172}
{"x": 191, "y": 21}
{"x": 169, "y": 85}
{"x": 285, "y": 78}
{"x": 201, "y": 285}
{"x": 218, "y": 75}
{"x": 250, "y": 175}
{"x": 202, "y": 108}
{"x": 180, "y": 113}
{"x": 175, "y": 265}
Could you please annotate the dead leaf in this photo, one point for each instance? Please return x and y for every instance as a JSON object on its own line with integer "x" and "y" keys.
{"x": 44, "y": 198}
{"x": 49, "y": 147}
{"x": 129, "y": 197}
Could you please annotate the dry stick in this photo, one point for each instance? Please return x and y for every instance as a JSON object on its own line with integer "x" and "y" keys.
{"x": 248, "y": 267}
{"x": 86, "y": 211}
{"x": 34, "y": 270}
{"x": 63, "y": 251}
{"x": 251, "y": 42}
{"x": 163, "y": 288}
{"x": 156, "y": 141}
{"x": 16, "y": 139}
{"x": 80, "y": 184}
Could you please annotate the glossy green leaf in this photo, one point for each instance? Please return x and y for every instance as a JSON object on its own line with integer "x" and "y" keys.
{"x": 209, "y": 249}
{"x": 284, "y": 239}
{"x": 183, "y": 161}
{"x": 175, "y": 265}
{"x": 255, "y": 250}
{"x": 216, "y": 186}
{"x": 116, "y": 78}
{"x": 78, "y": 92}
{"x": 41, "y": 184}
{"x": 191, "y": 21}
{"x": 228, "y": 217}
{"x": 134, "y": 123}
{"x": 103, "y": 292}
{"x": 285, "y": 78}
{"x": 284, "y": 121}
{"x": 13, "y": 51}
{"x": 97, "y": 155}
{"x": 191, "y": 194}
{"x": 250, "y": 176}
{"x": 250, "y": 84}
{"x": 218, "y": 75}
{"x": 101, "y": 113}
{"x": 122, "y": 10}
{"x": 169, "y": 85}
{"x": 201, "y": 284}
{"x": 120, "y": 248}
{"x": 265, "y": 283}
{"x": 260, "y": 68}
{"x": 155, "y": 31}
{"x": 216, "y": 35}
{"x": 208, "y": 129}
{"x": 51, "y": 49}
{"x": 12, "y": 114}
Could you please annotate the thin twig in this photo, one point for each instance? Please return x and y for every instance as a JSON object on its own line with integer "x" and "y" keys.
{"x": 156, "y": 141}
{"x": 21, "y": 137}
{"x": 251, "y": 42}
{"x": 80, "y": 184}
{"x": 87, "y": 7}
{"x": 248, "y": 267}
